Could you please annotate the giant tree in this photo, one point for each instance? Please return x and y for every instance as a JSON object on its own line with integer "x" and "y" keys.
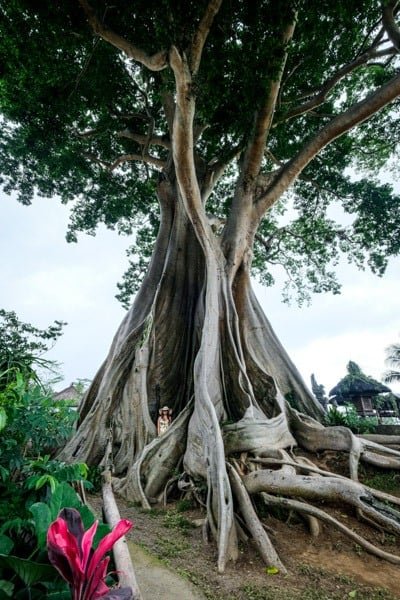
{"x": 220, "y": 134}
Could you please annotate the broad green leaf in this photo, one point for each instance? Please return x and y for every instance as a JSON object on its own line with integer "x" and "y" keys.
{"x": 6, "y": 544}
{"x": 87, "y": 516}
{"x": 3, "y": 418}
{"x": 63, "y": 496}
{"x": 46, "y": 479}
{"x": 272, "y": 570}
{"x": 353, "y": 594}
{"x": 6, "y": 587}
{"x": 29, "y": 571}
{"x": 42, "y": 519}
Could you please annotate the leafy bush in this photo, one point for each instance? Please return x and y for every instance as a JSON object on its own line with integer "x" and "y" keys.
{"x": 351, "y": 419}
{"x": 27, "y": 569}
{"x": 22, "y": 347}
{"x": 32, "y": 423}
{"x": 32, "y": 426}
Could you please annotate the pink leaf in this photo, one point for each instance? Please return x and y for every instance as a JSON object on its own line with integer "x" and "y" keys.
{"x": 122, "y": 527}
{"x": 86, "y": 545}
{"x": 64, "y": 551}
{"x": 96, "y": 588}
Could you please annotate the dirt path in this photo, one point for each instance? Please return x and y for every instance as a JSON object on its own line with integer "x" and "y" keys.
{"x": 156, "y": 581}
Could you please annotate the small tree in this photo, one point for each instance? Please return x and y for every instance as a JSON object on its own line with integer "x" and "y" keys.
{"x": 22, "y": 347}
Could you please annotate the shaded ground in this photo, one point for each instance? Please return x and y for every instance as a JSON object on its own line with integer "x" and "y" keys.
{"x": 329, "y": 567}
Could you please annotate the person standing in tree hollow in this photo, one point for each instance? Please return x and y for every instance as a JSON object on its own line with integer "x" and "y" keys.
{"x": 164, "y": 420}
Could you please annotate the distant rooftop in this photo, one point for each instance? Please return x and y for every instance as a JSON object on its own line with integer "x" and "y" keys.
{"x": 69, "y": 393}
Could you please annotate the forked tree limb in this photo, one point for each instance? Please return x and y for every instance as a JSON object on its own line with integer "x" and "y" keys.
{"x": 255, "y": 149}
{"x": 123, "y": 158}
{"x": 353, "y": 116}
{"x": 389, "y": 23}
{"x": 201, "y": 34}
{"x": 320, "y": 97}
{"x": 154, "y": 62}
{"x": 142, "y": 139}
{"x": 183, "y": 150}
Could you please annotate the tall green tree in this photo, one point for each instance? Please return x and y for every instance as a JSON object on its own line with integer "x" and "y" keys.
{"x": 222, "y": 134}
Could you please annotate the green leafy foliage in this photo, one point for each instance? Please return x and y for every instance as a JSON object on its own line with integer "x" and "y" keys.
{"x": 32, "y": 484}
{"x": 349, "y": 418}
{"x": 72, "y": 104}
{"x": 34, "y": 423}
{"x": 22, "y": 347}
{"x": 28, "y": 567}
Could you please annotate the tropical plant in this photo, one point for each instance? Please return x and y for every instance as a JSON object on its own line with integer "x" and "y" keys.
{"x": 392, "y": 360}
{"x": 23, "y": 553}
{"x": 224, "y": 133}
{"x": 31, "y": 426}
{"x": 349, "y": 418}
{"x": 22, "y": 347}
{"x": 84, "y": 569}
{"x": 32, "y": 423}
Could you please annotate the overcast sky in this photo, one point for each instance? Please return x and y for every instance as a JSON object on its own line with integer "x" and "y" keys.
{"x": 44, "y": 278}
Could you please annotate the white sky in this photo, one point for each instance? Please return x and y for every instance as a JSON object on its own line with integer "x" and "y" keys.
{"x": 44, "y": 278}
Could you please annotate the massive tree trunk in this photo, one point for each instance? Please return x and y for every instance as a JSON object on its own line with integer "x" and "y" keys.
{"x": 197, "y": 340}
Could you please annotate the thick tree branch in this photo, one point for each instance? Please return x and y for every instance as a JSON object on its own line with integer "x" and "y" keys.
{"x": 216, "y": 170}
{"x": 323, "y": 93}
{"x": 143, "y": 139}
{"x": 237, "y": 238}
{"x": 255, "y": 148}
{"x": 155, "y": 62}
{"x": 182, "y": 141}
{"x": 352, "y": 117}
{"x": 389, "y": 23}
{"x": 123, "y": 158}
{"x": 201, "y": 34}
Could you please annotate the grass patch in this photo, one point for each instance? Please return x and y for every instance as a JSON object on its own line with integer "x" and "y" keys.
{"x": 386, "y": 482}
{"x": 169, "y": 548}
{"x": 154, "y": 513}
{"x": 175, "y": 520}
{"x": 183, "y": 505}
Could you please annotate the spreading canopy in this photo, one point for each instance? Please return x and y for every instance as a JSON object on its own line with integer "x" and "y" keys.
{"x": 88, "y": 118}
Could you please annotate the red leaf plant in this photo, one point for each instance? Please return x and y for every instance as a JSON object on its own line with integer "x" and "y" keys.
{"x": 70, "y": 551}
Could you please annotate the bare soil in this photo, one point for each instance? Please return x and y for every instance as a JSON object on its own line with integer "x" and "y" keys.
{"x": 329, "y": 567}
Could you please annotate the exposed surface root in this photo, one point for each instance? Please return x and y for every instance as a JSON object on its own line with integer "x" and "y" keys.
{"x": 313, "y": 436}
{"x": 331, "y": 489}
{"x": 308, "y": 509}
{"x": 253, "y": 524}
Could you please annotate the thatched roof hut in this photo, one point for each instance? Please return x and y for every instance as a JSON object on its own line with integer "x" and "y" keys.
{"x": 358, "y": 389}
{"x": 68, "y": 393}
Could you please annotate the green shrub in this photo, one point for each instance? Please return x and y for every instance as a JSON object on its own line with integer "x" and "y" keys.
{"x": 351, "y": 419}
